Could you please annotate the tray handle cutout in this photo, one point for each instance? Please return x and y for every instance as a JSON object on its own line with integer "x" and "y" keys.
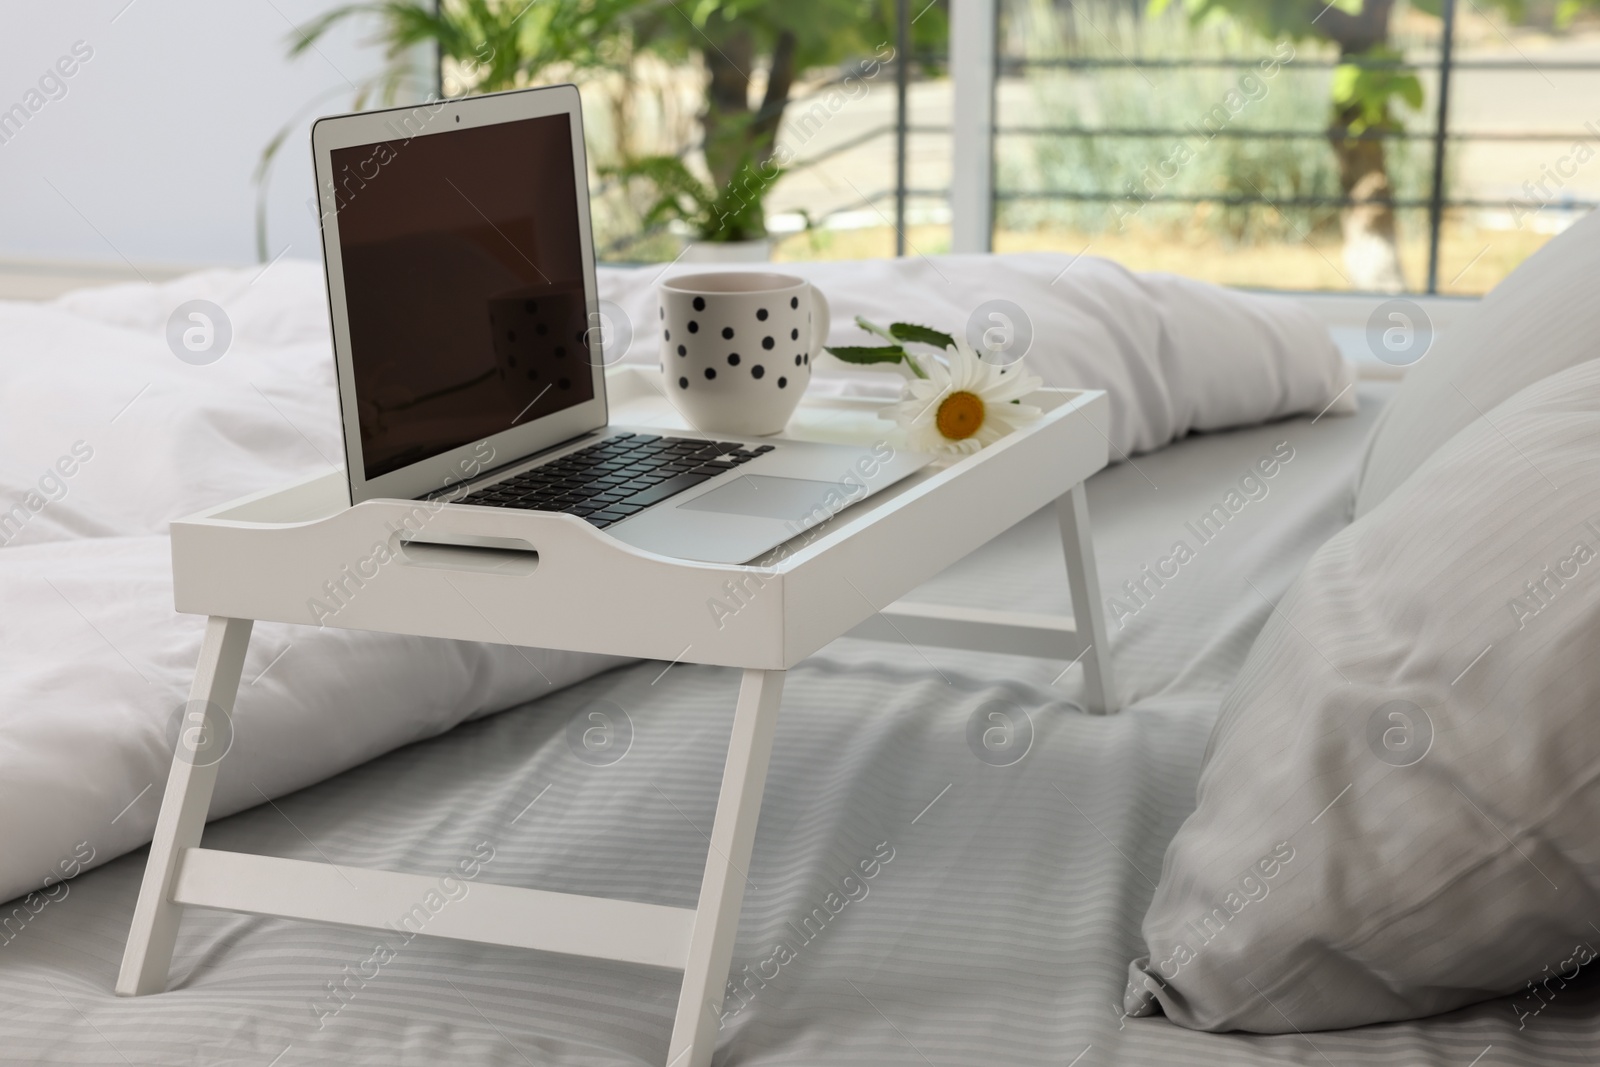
{"x": 485, "y": 555}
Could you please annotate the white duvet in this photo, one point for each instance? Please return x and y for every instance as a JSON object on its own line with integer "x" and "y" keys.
{"x": 105, "y": 436}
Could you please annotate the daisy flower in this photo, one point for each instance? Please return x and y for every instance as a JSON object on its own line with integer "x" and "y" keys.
{"x": 963, "y": 403}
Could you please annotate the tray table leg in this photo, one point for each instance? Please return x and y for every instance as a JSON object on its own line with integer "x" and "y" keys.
{"x": 744, "y": 776}
{"x": 183, "y": 808}
{"x": 1088, "y": 613}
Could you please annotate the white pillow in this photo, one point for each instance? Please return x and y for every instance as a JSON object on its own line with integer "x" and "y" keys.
{"x": 1397, "y": 814}
{"x": 1176, "y": 355}
{"x": 1542, "y": 318}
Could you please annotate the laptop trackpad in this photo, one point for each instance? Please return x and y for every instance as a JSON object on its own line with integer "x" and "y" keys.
{"x": 767, "y": 497}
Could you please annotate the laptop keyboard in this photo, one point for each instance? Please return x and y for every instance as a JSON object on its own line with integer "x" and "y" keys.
{"x": 615, "y": 478}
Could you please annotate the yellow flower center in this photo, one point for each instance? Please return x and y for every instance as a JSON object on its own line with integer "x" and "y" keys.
{"x": 960, "y": 415}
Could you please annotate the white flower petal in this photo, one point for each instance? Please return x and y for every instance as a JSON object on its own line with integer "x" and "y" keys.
{"x": 962, "y": 370}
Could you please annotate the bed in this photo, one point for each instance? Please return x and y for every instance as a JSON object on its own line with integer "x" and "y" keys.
{"x": 1004, "y": 902}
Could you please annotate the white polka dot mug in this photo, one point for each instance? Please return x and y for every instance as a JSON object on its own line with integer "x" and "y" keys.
{"x": 737, "y": 346}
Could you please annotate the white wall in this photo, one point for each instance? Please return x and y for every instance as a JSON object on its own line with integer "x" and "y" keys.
{"x": 155, "y": 140}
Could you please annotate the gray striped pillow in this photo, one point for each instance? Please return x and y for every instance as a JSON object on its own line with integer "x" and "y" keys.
{"x": 1541, "y": 319}
{"x": 1398, "y": 810}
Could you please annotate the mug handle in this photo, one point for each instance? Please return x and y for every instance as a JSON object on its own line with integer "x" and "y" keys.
{"x": 821, "y": 323}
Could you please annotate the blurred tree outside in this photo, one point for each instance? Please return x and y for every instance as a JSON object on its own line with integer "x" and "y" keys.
{"x": 1367, "y": 86}
{"x": 752, "y": 51}
{"x": 751, "y": 54}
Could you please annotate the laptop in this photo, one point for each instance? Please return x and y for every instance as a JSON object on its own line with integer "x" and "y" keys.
{"x": 471, "y": 354}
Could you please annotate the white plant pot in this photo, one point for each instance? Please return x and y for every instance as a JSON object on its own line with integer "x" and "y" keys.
{"x": 757, "y": 251}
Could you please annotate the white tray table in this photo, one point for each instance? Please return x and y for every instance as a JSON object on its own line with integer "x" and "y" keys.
{"x": 553, "y": 580}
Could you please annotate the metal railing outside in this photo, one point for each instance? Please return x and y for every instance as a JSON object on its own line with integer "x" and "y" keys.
{"x": 1440, "y": 137}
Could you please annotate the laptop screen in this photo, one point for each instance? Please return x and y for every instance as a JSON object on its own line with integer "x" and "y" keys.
{"x": 463, "y": 278}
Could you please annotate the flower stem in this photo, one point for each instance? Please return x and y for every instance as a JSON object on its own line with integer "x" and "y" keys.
{"x": 907, "y": 360}
{"x": 873, "y": 328}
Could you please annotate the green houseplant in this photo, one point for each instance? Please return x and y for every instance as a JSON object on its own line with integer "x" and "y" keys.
{"x": 728, "y": 215}
{"x": 485, "y": 46}
{"x": 491, "y": 45}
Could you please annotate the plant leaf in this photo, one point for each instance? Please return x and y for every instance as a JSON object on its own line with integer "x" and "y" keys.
{"x": 911, "y": 333}
{"x": 1409, "y": 89}
{"x": 864, "y": 354}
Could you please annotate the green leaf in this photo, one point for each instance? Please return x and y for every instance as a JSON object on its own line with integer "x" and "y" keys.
{"x": 911, "y": 333}
{"x": 866, "y": 354}
{"x": 1364, "y": 93}
{"x": 736, "y": 214}
{"x": 1343, "y": 87}
{"x": 733, "y": 213}
{"x": 1409, "y": 89}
